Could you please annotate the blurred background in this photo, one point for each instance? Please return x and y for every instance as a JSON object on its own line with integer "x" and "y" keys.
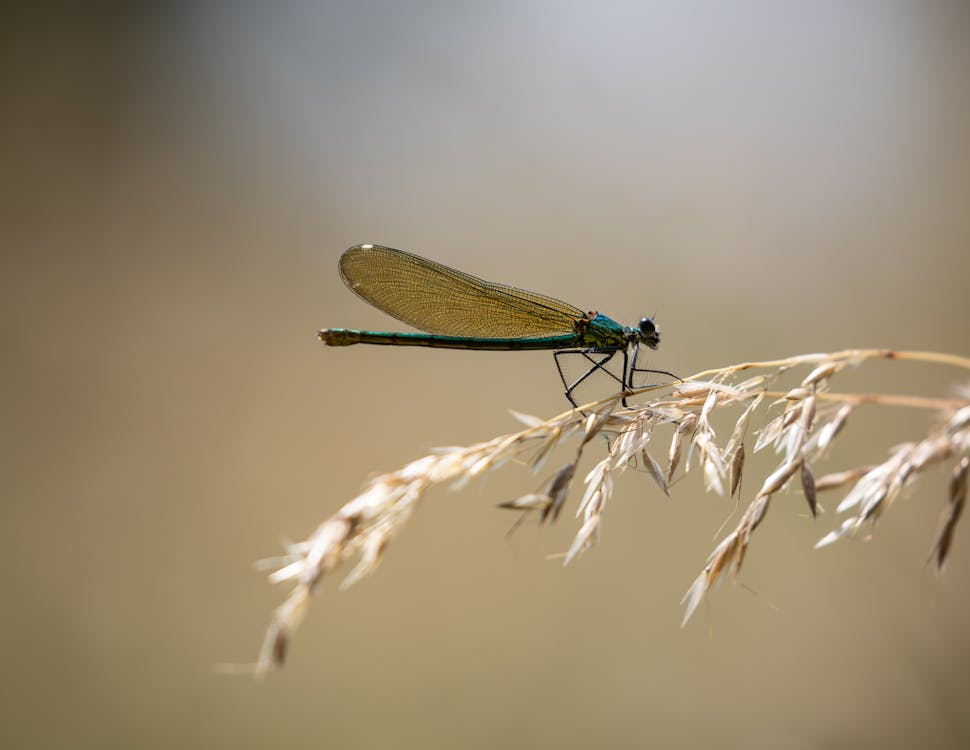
{"x": 765, "y": 178}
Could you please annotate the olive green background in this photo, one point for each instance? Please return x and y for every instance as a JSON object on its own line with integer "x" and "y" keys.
{"x": 178, "y": 181}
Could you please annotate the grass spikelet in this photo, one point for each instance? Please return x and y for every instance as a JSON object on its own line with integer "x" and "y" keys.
{"x": 685, "y": 428}
{"x": 656, "y": 473}
{"x": 737, "y": 468}
{"x": 956, "y": 499}
{"x": 808, "y": 488}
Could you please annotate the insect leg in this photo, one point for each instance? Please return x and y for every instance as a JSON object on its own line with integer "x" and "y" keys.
{"x": 628, "y": 374}
{"x": 597, "y": 364}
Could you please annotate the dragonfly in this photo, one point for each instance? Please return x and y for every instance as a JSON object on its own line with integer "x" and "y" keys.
{"x": 456, "y": 310}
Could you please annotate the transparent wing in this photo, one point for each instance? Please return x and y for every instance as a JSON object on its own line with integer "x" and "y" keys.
{"x": 438, "y": 299}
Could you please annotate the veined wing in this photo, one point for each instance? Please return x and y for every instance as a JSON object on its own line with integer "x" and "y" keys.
{"x": 442, "y": 300}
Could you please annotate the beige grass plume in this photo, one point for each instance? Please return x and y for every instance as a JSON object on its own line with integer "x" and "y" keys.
{"x": 672, "y": 430}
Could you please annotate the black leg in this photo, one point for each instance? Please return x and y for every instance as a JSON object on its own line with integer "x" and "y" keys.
{"x": 596, "y": 364}
{"x": 628, "y": 374}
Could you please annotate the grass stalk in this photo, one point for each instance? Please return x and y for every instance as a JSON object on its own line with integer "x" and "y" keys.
{"x": 801, "y": 423}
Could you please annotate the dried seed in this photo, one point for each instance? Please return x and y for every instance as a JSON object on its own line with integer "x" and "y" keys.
{"x": 709, "y": 405}
{"x": 959, "y": 421}
{"x": 737, "y": 466}
{"x": 821, "y": 372}
{"x": 874, "y": 505}
{"x": 956, "y": 499}
{"x": 721, "y": 558}
{"x": 693, "y": 597}
{"x": 741, "y": 426}
{"x": 712, "y": 476}
{"x": 958, "y": 481}
{"x": 830, "y": 430}
{"x": 686, "y": 425}
{"x": 536, "y": 501}
{"x": 558, "y": 489}
{"x": 776, "y": 480}
{"x": 694, "y": 388}
{"x": 583, "y": 538}
{"x": 594, "y": 423}
{"x": 791, "y": 441}
{"x": 633, "y": 441}
{"x": 808, "y": 413}
{"x": 550, "y": 442}
{"x": 654, "y": 470}
{"x": 713, "y": 462}
{"x": 279, "y": 644}
{"x": 848, "y": 528}
{"x": 808, "y": 488}
{"x": 374, "y": 545}
{"x": 749, "y": 385}
{"x": 527, "y": 419}
{"x": 769, "y": 433}
{"x": 840, "y": 478}
{"x": 756, "y": 513}
{"x": 674, "y": 457}
{"x": 598, "y": 481}
{"x": 752, "y": 517}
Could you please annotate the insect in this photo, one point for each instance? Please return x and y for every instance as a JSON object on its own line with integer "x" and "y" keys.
{"x": 459, "y": 311}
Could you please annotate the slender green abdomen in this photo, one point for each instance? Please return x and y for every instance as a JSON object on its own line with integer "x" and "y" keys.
{"x": 348, "y": 336}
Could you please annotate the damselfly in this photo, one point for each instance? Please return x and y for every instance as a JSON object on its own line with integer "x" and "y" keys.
{"x": 459, "y": 311}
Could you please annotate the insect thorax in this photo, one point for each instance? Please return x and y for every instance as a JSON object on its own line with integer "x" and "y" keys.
{"x": 600, "y": 331}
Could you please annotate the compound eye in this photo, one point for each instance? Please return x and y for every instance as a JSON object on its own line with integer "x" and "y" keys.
{"x": 647, "y": 327}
